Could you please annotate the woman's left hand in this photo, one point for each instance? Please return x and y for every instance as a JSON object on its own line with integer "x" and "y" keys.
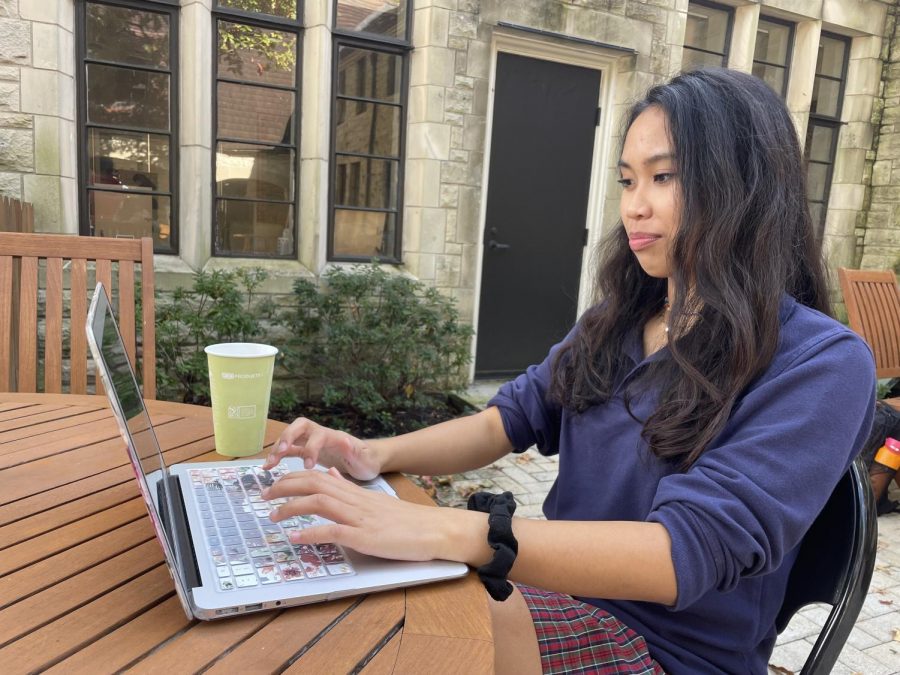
{"x": 365, "y": 520}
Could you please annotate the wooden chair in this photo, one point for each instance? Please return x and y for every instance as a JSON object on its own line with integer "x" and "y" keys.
{"x": 873, "y": 310}
{"x": 70, "y": 266}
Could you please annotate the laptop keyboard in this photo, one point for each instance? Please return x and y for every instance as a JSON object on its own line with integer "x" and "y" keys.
{"x": 246, "y": 547}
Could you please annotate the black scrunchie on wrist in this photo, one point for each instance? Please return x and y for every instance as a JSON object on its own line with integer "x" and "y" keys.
{"x": 500, "y": 509}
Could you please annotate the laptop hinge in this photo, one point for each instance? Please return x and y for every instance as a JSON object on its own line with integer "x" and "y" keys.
{"x": 177, "y": 530}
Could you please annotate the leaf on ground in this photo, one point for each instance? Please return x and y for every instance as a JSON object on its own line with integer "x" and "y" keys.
{"x": 896, "y": 635}
{"x": 443, "y": 480}
{"x": 780, "y": 669}
{"x": 886, "y": 602}
{"x": 524, "y": 459}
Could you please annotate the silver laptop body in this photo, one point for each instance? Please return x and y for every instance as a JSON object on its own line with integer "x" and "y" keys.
{"x": 196, "y": 508}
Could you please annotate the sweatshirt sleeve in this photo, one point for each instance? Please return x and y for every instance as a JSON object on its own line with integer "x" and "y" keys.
{"x": 750, "y": 498}
{"x": 529, "y": 418}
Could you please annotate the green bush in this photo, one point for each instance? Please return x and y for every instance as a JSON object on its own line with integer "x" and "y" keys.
{"x": 220, "y": 307}
{"x": 377, "y": 343}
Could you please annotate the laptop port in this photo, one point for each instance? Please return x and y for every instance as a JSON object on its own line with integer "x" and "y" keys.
{"x": 253, "y": 608}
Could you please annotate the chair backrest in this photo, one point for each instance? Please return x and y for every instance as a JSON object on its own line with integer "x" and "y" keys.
{"x": 57, "y": 268}
{"x": 834, "y": 566}
{"x": 873, "y": 309}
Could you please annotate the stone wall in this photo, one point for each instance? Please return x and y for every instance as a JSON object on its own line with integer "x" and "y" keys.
{"x": 37, "y": 109}
{"x": 879, "y": 231}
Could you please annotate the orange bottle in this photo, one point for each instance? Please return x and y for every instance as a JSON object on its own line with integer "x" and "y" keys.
{"x": 885, "y": 466}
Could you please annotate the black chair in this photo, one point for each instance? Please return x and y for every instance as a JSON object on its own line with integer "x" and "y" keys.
{"x": 834, "y": 566}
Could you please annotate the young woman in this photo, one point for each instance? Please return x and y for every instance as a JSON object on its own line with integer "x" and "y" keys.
{"x": 702, "y": 411}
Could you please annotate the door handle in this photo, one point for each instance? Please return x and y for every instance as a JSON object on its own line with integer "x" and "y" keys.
{"x": 497, "y": 245}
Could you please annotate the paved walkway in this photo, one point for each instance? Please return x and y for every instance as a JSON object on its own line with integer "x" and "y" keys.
{"x": 874, "y": 645}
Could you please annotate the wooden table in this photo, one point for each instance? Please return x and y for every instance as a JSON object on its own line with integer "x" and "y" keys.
{"x": 83, "y": 587}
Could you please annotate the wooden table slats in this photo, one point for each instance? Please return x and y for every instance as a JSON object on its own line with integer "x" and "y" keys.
{"x": 83, "y": 587}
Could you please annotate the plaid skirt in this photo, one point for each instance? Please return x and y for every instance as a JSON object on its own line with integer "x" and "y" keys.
{"x": 575, "y": 637}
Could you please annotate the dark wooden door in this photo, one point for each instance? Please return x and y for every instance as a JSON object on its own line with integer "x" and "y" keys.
{"x": 542, "y": 144}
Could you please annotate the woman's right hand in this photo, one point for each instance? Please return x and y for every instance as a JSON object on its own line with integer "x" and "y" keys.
{"x": 315, "y": 444}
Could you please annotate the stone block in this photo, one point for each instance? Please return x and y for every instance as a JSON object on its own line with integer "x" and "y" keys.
{"x": 423, "y": 182}
{"x": 464, "y": 24}
{"x": 458, "y": 100}
{"x": 16, "y": 121}
{"x": 42, "y": 93}
{"x": 457, "y": 42}
{"x": 889, "y": 146}
{"x": 9, "y": 73}
{"x": 470, "y": 256}
{"x": 644, "y": 11}
{"x": 856, "y": 135}
{"x": 9, "y": 8}
{"x": 478, "y": 59}
{"x": 428, "y": 140}
{"x": 456, "y": 137}
{"x": 433, "y": 234}
{"x": 15, "y": 42}
{"x": 858, "y": 108}
{"x": 459, "y": 156}
{"x": 840, "y": 251}
{"x": 431, "y": 27}
{"x": 846, "y": 196}
{"x": 863, "y": 76}
{"x": 16, "y": 150}
{"x": 449, "y": 196}
{"x": 433, "y": 65}
{"x": 426, "y": 104}
{"x": 866, "y": 47}
{"x": 480, "y": 98}
{"x": 468, "y": 224}
{"x": 44, "y": 193}
{"x": 11, "y": 185}
{"x": 849, "y": 166}
{"x": 454, "y": 119}
{"x": 53, "y": 48}
{"x": 841, "y": 222}
{"x": 474, "y": 133}
{"x": 9, "y": 96}
{"x": 462, "y": 61}
{"x": 59, "y": 12}
{"x": 447, "y": 270}
{"x": 866, "y": 16}
{"x": 676, "y": 24}
{"x": 450, "y": 231}
{"x": 195, "y": 191}
{"x": 881, "y": 173}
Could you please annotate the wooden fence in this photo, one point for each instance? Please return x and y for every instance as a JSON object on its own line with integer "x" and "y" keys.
{"x": 16, "y": 216}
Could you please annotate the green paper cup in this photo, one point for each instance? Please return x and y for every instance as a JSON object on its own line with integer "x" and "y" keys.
{"x": 240, "y": 381}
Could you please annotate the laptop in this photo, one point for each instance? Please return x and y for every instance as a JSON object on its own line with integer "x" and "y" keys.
{"x": 224, "y": 554}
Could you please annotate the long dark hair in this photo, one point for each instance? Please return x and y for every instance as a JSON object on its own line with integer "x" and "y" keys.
{"x": 744, "y": 238}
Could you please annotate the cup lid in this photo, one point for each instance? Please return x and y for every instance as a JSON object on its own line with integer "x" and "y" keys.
{"x": 241, "y": 350}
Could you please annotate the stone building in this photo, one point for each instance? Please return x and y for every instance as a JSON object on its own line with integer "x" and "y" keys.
{"x": 469, "y": 143}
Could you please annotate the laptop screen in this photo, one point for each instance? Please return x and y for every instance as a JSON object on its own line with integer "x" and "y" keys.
{"x": 127, "y": 404}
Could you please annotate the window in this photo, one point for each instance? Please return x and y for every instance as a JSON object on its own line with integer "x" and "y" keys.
{"x": 706, "y": 36}
{"x": 256, "y": 121}
{"x": 771, "y": 57}
{"x": 824, "y": 122}
{"x": 368, "y": 122}
{"x": 127, "y": 101}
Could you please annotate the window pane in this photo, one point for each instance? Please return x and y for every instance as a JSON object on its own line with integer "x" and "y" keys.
{"x": 382, "y": 17}
{"x": 127, "y": 36}
{"x": 831, "y": 57}
{"x": 771, "y": 75}
{"x": 286, "y": 9}
{"x": 365, "y": 182}
{"x": 772, "y": 42}
{"x": 368, "y": 128}
{"x": 257, "y": 54}
{"x": 694, "y": 59}
{"x": 254, "y": 171}
{"x": 133, "y": 160}
{"x": 122, "y": 96}
{"x": 819, "y": 143}
{"x": 363, "y": 233}
{"x": 707, "y": 28}
{"x": 120, "y": 214}
{"x": 826, "y": 97}
{"x": 255, "y": 113}
{"x": 817, "y": 181}
{"x": 253, "y": 228}
{"x": 369, "y": 74}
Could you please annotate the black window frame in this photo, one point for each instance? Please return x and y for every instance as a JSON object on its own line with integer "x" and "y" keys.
{"x": 266, "y": 21}
{"x": 170, "y": 7}
{"x": 728, "y": 33}
{"x": 829, "y": 121}
{"x": 391, "y": 45}
{"x": 792, "y": 27}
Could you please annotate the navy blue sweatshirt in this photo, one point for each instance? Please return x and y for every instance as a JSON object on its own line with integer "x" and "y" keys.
{"x": 737, "y": 515}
